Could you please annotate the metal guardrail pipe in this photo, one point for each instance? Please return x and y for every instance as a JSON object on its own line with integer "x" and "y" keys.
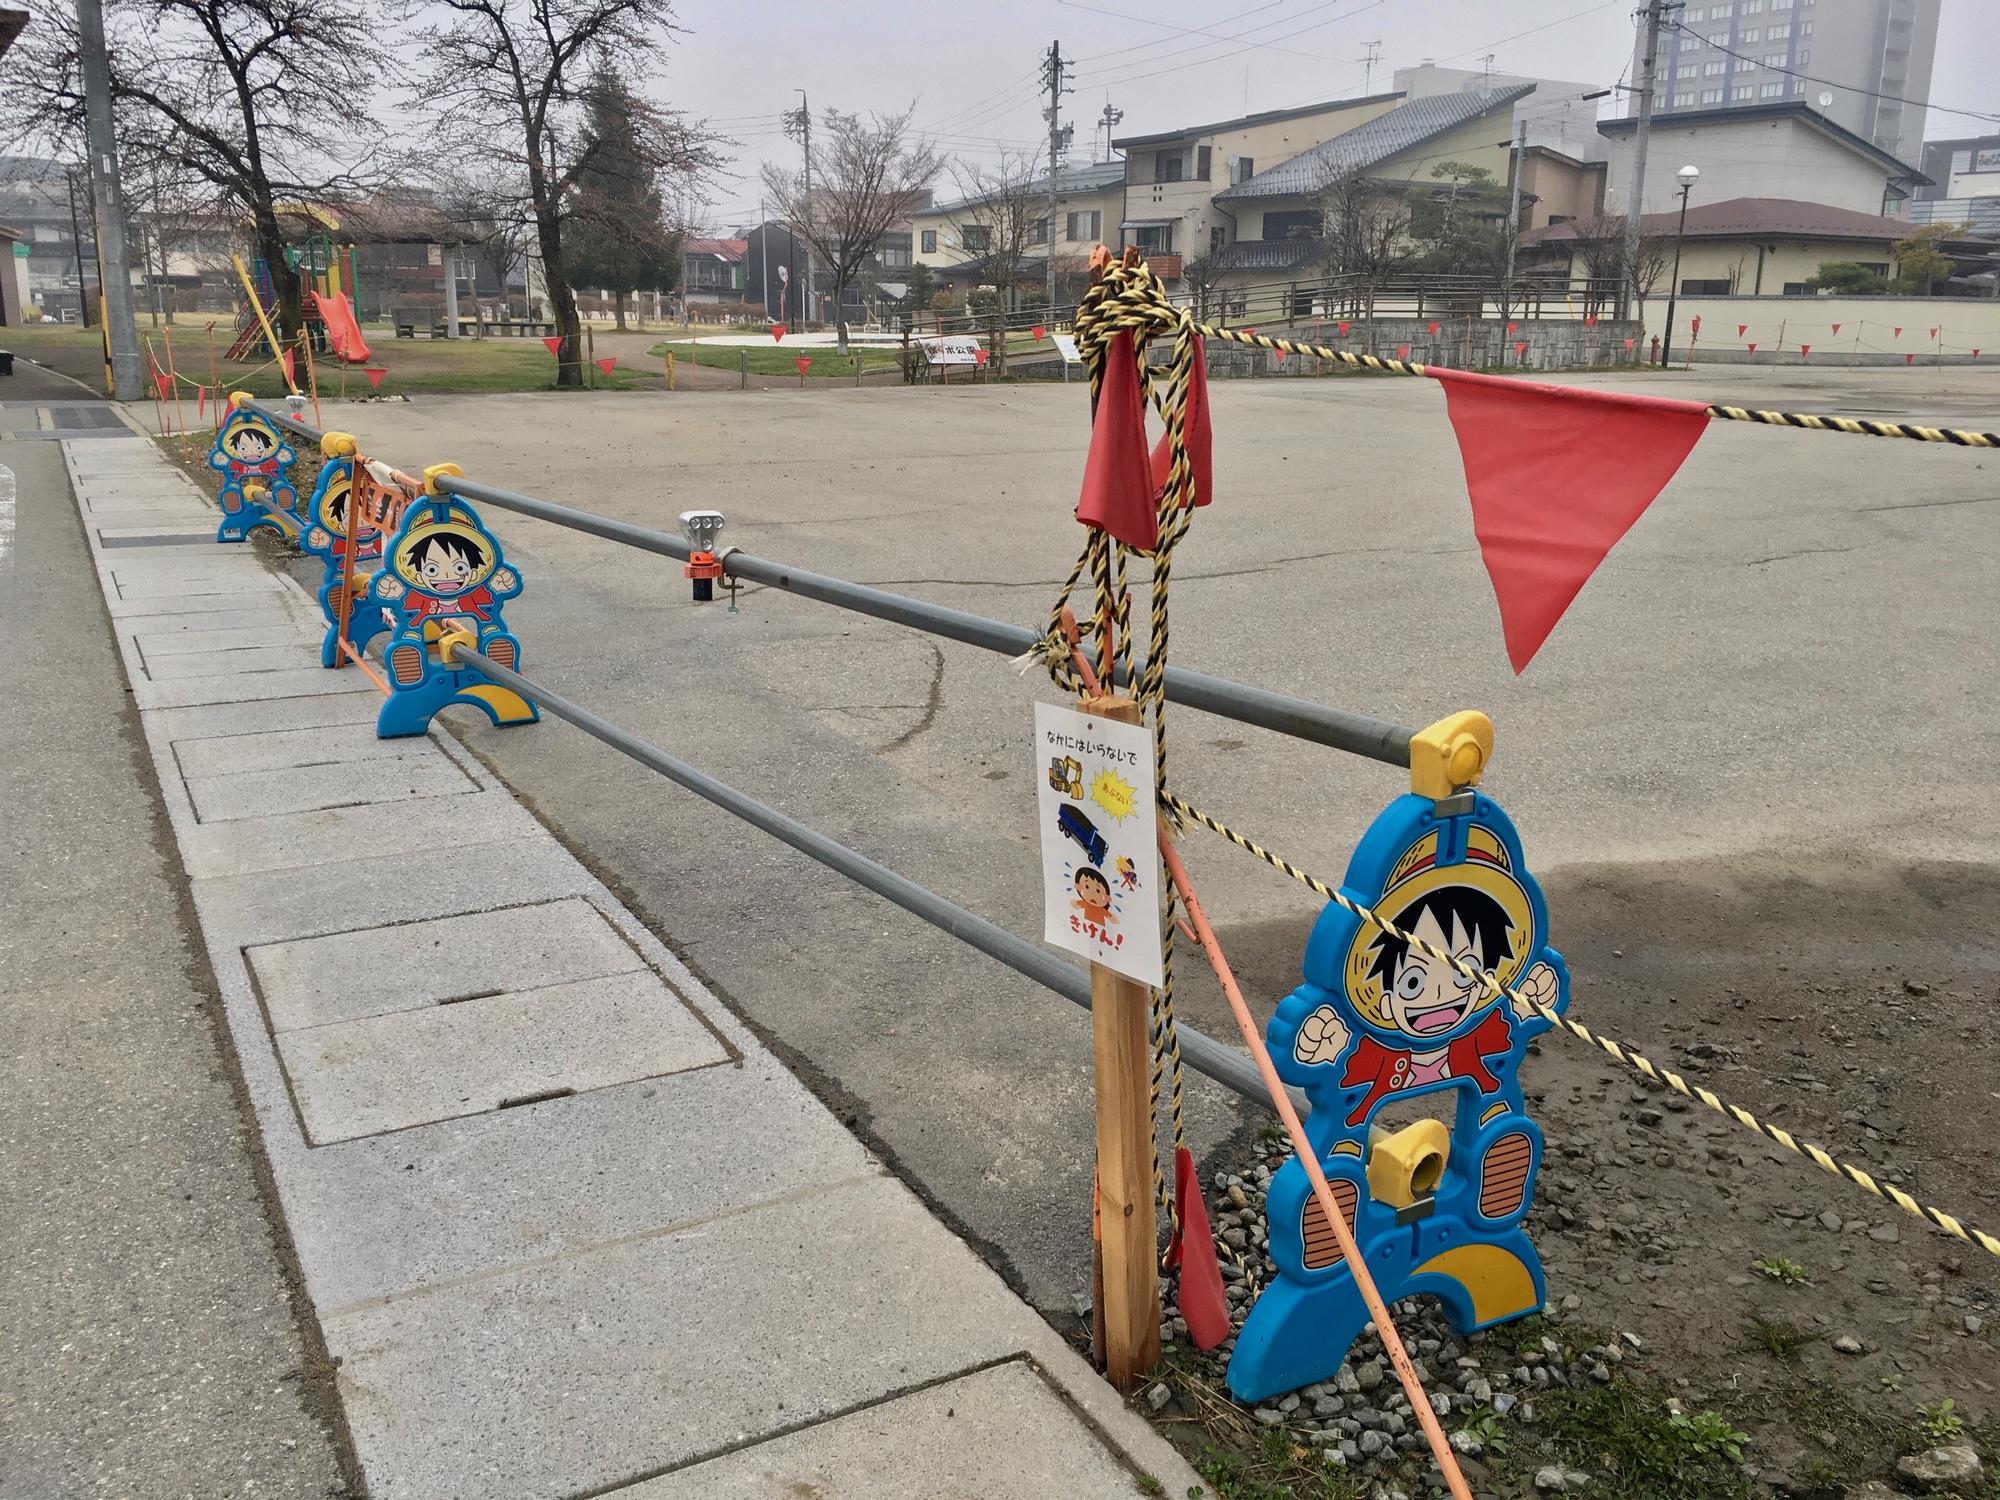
{"x": 1336, "y": 728}
{"x": 1203, "y": 1053}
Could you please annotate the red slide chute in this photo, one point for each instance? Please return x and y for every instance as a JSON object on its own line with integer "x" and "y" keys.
{"x": 342, "y": 332}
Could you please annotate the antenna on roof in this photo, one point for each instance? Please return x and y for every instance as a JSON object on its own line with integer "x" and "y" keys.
{"x": 1368, "y": 62}
{"x": 1110, "y": 118}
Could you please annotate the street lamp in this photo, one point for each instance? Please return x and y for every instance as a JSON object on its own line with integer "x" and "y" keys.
{"x": 1687, "y": 177}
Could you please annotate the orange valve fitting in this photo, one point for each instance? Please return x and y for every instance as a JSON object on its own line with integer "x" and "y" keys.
{"x": 702, "y": 529}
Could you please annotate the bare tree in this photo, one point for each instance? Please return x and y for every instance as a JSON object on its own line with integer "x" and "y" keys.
{"x": 484, "y": 213}
{"x": 1199, "y": 281}
{"x": 509, "y": 81}
{"x": 1002, "y": 213}
{"x": 1364, "y": 233}
{"x": 864, "y": 175}
{"x": 1598, "y": 250}
{"x": 256, "y": 98}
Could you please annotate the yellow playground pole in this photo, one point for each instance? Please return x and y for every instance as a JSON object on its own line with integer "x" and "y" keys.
{"x": 257, "y": 307}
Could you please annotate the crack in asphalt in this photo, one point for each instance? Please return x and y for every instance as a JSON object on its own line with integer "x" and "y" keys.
{"x": 932, "y": 704}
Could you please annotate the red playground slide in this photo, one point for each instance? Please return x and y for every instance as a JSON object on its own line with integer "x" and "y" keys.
{"x": 341, "y": 330}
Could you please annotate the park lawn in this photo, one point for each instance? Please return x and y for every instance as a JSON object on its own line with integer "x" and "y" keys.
{"x": 780, "y": 360}
{"x": 415, "y": 366}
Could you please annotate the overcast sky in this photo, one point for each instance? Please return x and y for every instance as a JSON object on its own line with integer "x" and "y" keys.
{"x": 971, "y": 68}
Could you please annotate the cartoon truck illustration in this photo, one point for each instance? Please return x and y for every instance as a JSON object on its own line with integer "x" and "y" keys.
{"x": 1073, "y": 823}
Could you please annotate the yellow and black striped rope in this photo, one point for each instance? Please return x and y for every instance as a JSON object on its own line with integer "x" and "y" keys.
{"x": 1818, "y": 1155}
{"x": 1718, "y": 410}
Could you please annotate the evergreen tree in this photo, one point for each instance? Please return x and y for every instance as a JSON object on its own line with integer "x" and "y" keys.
{"x": 623, "y": 243}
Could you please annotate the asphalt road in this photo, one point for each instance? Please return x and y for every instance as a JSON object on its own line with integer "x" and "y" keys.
{"x": 150, "y": 1347}
{"x": 1789, "y": 658}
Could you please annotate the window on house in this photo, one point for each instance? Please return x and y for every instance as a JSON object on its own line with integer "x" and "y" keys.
{"x": 1743, "y": 92}
{"x": 1201, "y": 162}
{"x": 1805, "y": 56}
{"x": 1798, "y": 85}
{"x": 1086, "y": 224}
{"x": 1771, "y": 90}
{"x": 930, "y": 242}
{"x": 1750, "y": 34}
{"x": 1696, "y": 286}
{"x": 1291, "y": 224}
{"x": 1711, "y": 96}
{"x": 1779, "y": 30}
{"x": 1775, "y": 60}
{"x": 1805, "y": 27}
{"x": 977, "y": 238}
{"x": 1695, "y": 13}
{"x": 1217, "y": 238}
{"x": 1719, "y": 39}
{"x": 1713, "y": 69}
{"x": 1171, "y": 167}
{"x": 1246, "y": 168}
{"x": 1683, "y": 101}
{"x": 1038, "y": 231}
{"x": 1795, "y": 289}
{"x": 1157, "y": 239}
{"x": 1751, "y": 7}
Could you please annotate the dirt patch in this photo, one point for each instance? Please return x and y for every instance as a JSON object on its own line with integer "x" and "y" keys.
{"x": 1853, "y": 1004}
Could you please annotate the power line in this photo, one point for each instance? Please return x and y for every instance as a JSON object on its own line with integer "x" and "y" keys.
{"x": 1180, "y": 30}
{"x": 1224, "y": 57}
{"x": 1199, "y": 31}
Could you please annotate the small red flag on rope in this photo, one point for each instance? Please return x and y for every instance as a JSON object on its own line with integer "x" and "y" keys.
{"x": 1281, "y": 355}
{"x": 980, "y": 356}
{"x": 1432, "y": 328}
{"x": 374, "y": 374}
{"x": 1118, "y": 491}
{"x": 554, "y": 345}
{"x": 608, "y": 363}
{"x": 1591, "y": 321}
{"x": 1741, "y": 329}
{"x": 201, "y": 397}
{"x": 1196, "y": 434}
{"x": 1628, "y": 345}
{"x": 1836, "y": 330}
{"x": 803, "y": 363}
{"x": 1753, "y": 348}
{"x": 1556, "y": 476}
{"x": 1897, "y": 333}
{"x": 1521, "y": 349}
{"x": 1909, "y": 359}
{"x": 1804, "y": 350}
{"x": 1402, "y": 351}
{"x": 286, "y": 360}
{"x": 1343, "y": 327}
{"x": 778, "y": 332}
{"x": 1512, "y": 326}
{"x": 163, "y": 383}
{"x": 1975, "y": 354}
{"x": 1039, "y": 330}
{"x": 1204, "y": 1306}
{"x": 1934, "y": 333}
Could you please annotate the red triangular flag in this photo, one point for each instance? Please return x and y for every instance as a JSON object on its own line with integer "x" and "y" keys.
{"x": 1281, "y": 355}
{"x": 1753, "y": 348}
{"x": 1038, "y": 330}
{"x": 1512, "y": 326}
{"x": 1591, "y": 321}
{"x": 1741, "y": 329}
{"x": 1203, "y": 1304}
{"x": 1898, "y": 333}
{"x": 1933, "y": 333}
{"x": 1343, "y": 329}
{"x": 1432, "y": 328}
{"x": 980, "y": 356}
{"x": 1836, "y": 330}
{"x": 374, "y": 374}
{"x": 778, "y": 332}
{"x": 1975, "y": 354}
{"x": 1117, "y": 478}
{"x": 1521, "y": 349}
{"x": 201, "y": 397}
{"x": 554, "y": 345}
{"x": 1628, "y": 345}
{"x": 1804, "y": 350}
{"x": 1909, "y": 359}
{"x": 1557, "y": 475}
{"x": 285, "y": 359}
{"x": 803, "y": 363}
{"x": 1196, "y": 433}
{"x": 1402, "y": 351}
{"x": 608, "y": 363}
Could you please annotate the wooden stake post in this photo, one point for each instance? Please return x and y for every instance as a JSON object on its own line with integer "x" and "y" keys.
{"x": 1128, "y": 1300}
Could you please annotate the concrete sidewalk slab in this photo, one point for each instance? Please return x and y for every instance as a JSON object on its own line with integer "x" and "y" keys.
{"x": 155, "y": 644}
{"x": 263, "y": 656}
{"x": 564, "y": 1221}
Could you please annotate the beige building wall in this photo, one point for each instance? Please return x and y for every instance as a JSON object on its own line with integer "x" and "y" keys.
{"x": 1748, "y": 159}
{"x": 1560, "y": 190}
{"x": 1264, "y": 145}
{"x": 1778, "y": 325}
{"x": 1764, "y": 268}
{"x": 1107, "y": 204}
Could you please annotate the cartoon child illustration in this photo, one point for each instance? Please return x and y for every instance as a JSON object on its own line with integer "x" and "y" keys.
{"x": 1093, "y": 897}
{"x": 1128, "y": 873}
{"x": 448, "y": 563}
{"x": 1429, "y": 1005}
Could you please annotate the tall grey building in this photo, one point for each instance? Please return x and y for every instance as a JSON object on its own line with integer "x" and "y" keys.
{"x": 1855, "y": 61}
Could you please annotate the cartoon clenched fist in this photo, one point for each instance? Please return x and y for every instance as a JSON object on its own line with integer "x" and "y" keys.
{"x": 504, "y": 580}
{"x": 317, "y": 538}
{"x": 1538, "y": 984}
{"x": 389, "y": 588}
{"x": 1322, "y": 1037}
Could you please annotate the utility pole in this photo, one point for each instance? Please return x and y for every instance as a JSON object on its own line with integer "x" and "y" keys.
{"x": 1514, "y": 212}
{"x": 799, "y": 124}
{"x": 1368, "y": 61}
{"x": 1635, "y": 194}
{"x": 116, "y": 275}
{"x": 76, "y": 239}
{"x": 1052, "y": 75}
